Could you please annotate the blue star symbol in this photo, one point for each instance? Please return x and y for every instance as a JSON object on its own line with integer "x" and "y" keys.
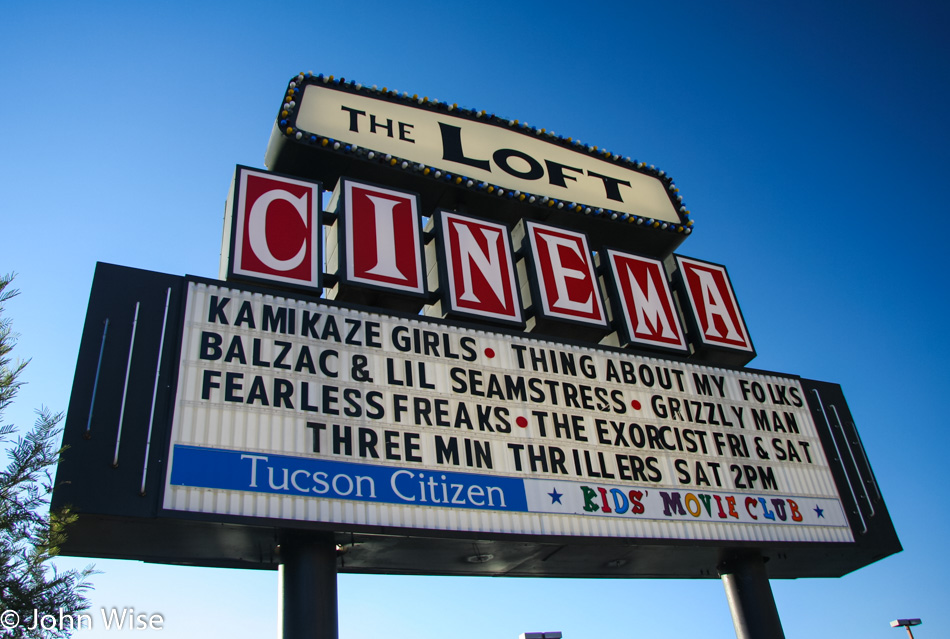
{"x": 555, "y": 496}
{"x": 820, "y": 512}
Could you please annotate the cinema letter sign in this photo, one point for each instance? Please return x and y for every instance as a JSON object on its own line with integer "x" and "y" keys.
{"x": 565, "y": 283}
{"x": 387, "y": 250}
{"x": 275, "y": 227}
{"x": 478, "y": 269}
{"x": 644, "y": 302}
{"x": 715, "y": 310}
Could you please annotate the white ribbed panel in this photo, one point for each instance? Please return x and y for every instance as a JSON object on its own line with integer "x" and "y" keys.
{"x": 343, "y": 512}
{"x": 254, "y": 427}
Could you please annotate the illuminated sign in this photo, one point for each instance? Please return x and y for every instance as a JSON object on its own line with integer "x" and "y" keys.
{"x": 643, "y": 300}
{"x": 565, "y": 285}
{"x": 481, "y": 151}
{"x": 456, "y": 350}
{"x": 715, "y": 310}
{"x": 296, "y": 410}
{"x": 377, "y": 241}
{"x": 273, "y": 223}
{"x": 479, "y": 268}
{"x": 382, "y": 245}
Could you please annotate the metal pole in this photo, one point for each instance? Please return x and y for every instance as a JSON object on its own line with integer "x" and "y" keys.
{"x": 308, "y": 601}
{"x": 909, "y": 633}
{"x": 750, "y": 597}
{"x": 95, "y": 381}
{"x": 125, "y": 389}
{"x": 158, "y": 371}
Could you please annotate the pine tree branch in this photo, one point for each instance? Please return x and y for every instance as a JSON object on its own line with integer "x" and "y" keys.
{"x": 31, "y": 535}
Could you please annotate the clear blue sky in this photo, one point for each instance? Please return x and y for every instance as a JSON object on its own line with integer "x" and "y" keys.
{"x": 808, "y": 139}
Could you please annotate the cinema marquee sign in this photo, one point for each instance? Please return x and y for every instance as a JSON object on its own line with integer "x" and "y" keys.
{"x": 486, "y": 339}
{"x": 377, "y": 243}
{"x": 288, "y": 409}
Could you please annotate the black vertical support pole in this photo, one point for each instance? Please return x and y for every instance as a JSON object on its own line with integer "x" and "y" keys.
{"x": 750, "y": 597}
{"x": 308, "y": 602}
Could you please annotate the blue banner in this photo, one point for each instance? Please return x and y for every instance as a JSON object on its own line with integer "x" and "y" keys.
{"x": 201, "y": 467}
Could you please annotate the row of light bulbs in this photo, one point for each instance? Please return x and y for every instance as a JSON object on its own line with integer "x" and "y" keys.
{"x": 290, "y": 104}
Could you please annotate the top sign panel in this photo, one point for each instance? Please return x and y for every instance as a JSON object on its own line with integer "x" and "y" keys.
{"x": 459, "y": 154}
{"x": 485, "y": 152}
